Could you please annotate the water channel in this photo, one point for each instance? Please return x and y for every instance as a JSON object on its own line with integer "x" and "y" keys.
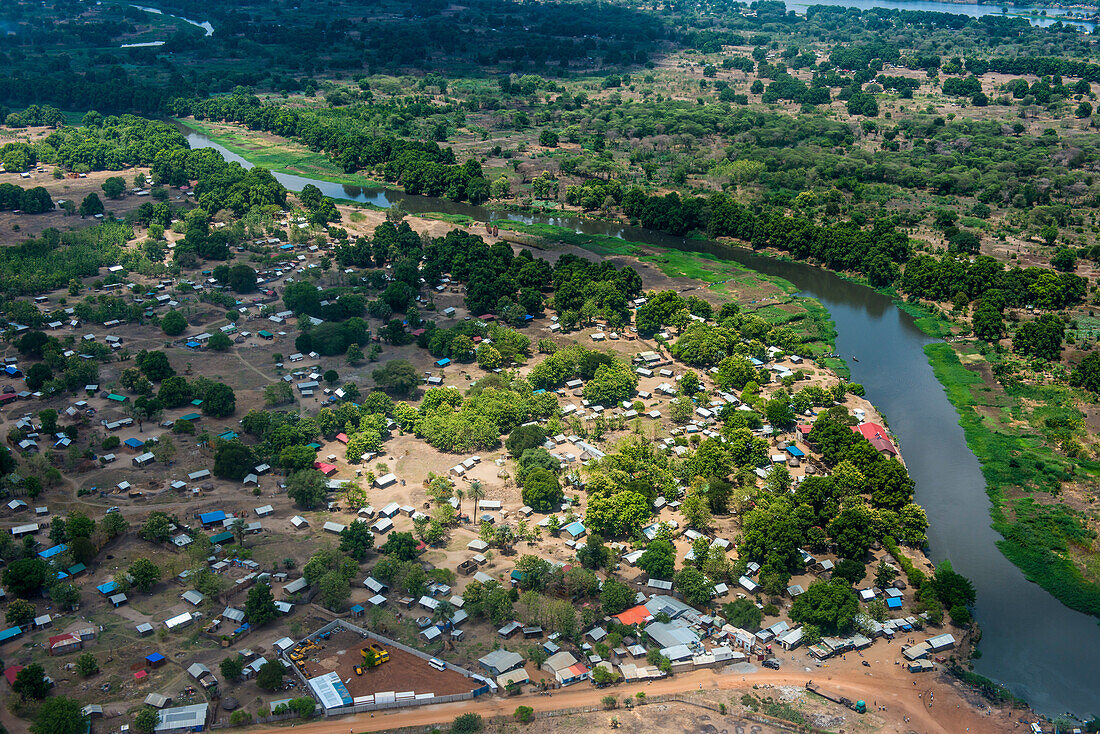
{"x": 1049, "y": 16}
{"x": 1041, "y": 650}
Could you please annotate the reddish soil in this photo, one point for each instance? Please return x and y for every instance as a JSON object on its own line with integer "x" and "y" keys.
{"x": 403, "y": 672}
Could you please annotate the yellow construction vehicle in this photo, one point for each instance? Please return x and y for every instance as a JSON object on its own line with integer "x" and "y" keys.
{"x": 374, "y": 654}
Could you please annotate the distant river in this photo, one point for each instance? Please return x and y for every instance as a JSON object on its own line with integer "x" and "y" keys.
{"x": 1043, "y": 651}
{"x": 974, "y": 11}
{"x": 205, "y": 25}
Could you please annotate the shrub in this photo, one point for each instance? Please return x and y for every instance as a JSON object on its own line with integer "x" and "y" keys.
{"x": 524, "y": 714}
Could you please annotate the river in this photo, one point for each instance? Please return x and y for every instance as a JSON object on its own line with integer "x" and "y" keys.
{"x": 1032, "y": 14}
{"x": 1041, "y": 650}
{"x": 205, "y": 25}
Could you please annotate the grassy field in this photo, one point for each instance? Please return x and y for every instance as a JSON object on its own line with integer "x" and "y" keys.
{"x": 281, "y": 156}
{"x": 1045, "y": 536}
{"x": 805, "y": 316}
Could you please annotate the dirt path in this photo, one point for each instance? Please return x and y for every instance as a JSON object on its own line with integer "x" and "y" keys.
{"x": 951, "y": 713}
{"x": 250, "y": 366}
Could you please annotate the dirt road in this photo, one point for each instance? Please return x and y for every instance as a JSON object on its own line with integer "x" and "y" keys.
{"x": 950, "y": 713}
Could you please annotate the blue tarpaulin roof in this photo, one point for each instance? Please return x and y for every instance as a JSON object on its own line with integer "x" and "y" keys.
{"x": 134, "y": 443}
{"x": 574, "y": 528}
{"x": 894, "y": 603}
{"x": 51, "y": 552}
{"x": 795, "y": 451}
{"x": 443, "y": 362}
{"x": 108, "y": 588}
{"x": 154, "y": 658}
{"x": 10, "y": 633}
{"x": 208, "y": 517}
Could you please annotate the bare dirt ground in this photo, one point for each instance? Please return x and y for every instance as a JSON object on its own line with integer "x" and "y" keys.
{"x": 953, "y": 710}
{"x": 403, "y": 672}
{"x": 17, "y": 227}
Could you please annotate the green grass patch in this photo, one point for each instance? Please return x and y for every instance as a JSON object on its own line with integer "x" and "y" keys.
{"x": 461, "y": 220}
{"x": 1039, "y": 538}
{"x": 600, "y": 244}
{"x": 284, "y": 157}
{"x": 928, "y": 322}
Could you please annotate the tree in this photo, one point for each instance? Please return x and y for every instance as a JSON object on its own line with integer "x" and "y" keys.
{"x": 356, "y": 540}
{"x": 219, "y": 401}
{"x": 852, "y": 531}
{"x": 354, "y": 355}
{"x": 278, "y": 393}
{"x": 270, "y": 677}
{"x": 541, "y": 490}
{"x": 612, "y": 383}
{"x": 233, "y": 460}
{"x": 831, "y": 605}
{"x": 87, "y": 665}
{"x": 297, "y": 457}
{"x": 31, "y": 683}
{"x": 659, "y": 559}
{"x": 232, "y": 668}
{"x": 622, "y": 514}
{"x": 19, "y": 613}
{"x": 154, "y": 365}
{"x": 398, "y": 377}
{"x": 850, "y": 570}
{"x": 987, "y": 322}
{"x": 157, "y": 527}
{"x": 1087, "y": 373}
{"x": 696, "y": 510}
{"x": 145, "y": 573}
{"x": 743, "y": 613}
{"x": 1040, "y": 338}
{"x": 476, "y": 492}
{"x": 26, "y": 577}
{"x": 951, "y": 588}
{"x": 146, "y": 720}
{"x": 65, "y": 596}
{"x": 91, "y": 205}
{"x": 114, "y": 187}
{"x": 38, "y": 375}
{"x": 220, "y": 342}
{"x": 889, "y": 484}
{"x": 1064, "y": 259}
{"x": 524, "y": 714}
{"x": 307, "y": 488}
{"x": 334, "y": 590}
{"x": 488, "y": 357}
{"x": 615, "y": 597}
{"x": 528, "y": 437}
{"x": 693, "y": 584}
{"x": 260, "y": 607}
{"x": 60, "y": 715}
{"x": 467, "y": 724}
{"x": 402, "y": 546}
{"x": 173, "y": 323}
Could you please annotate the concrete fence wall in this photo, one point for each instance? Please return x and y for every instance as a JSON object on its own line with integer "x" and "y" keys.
{"x": 385, "y": 641}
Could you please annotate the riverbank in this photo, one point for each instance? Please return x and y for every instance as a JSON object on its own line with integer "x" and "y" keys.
{"x": 1039, "y": 537}
{"x": 274, "y": 154}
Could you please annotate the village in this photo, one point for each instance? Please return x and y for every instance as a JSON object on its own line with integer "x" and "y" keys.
{"x": 380, "y": 648}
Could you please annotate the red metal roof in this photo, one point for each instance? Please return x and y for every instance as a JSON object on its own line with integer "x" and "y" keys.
{"x": 66, "y": 638}
{"x": 11, "y": 672}
{"x": 324, "y": 468}
{"x": 634, "y": 615}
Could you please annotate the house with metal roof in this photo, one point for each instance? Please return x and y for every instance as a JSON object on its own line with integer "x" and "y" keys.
{"x": 184, "y": 718}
